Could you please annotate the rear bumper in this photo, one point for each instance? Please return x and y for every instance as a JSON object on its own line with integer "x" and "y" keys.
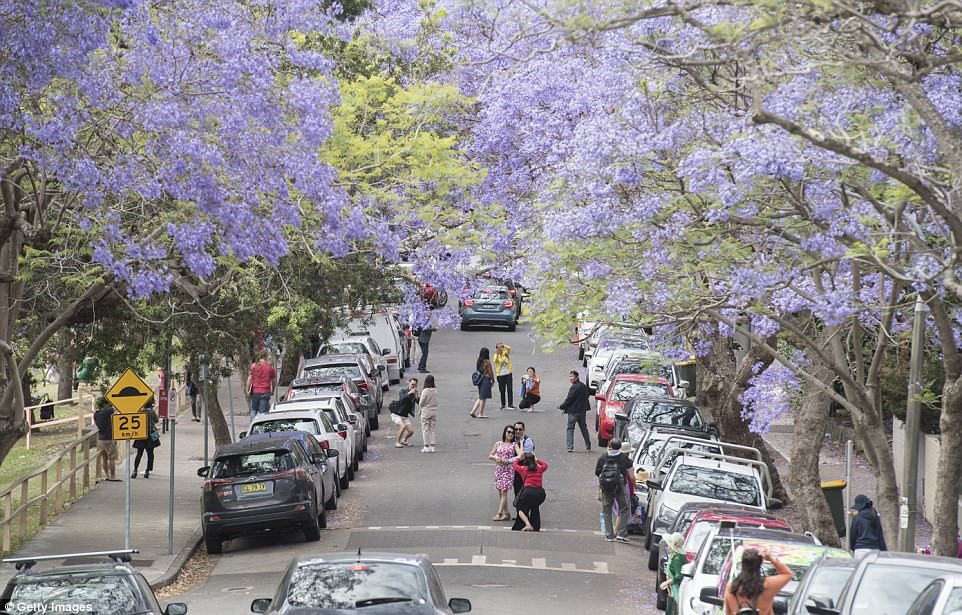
{"x": 493, "y": 319}
{"x": 237, "y": 523}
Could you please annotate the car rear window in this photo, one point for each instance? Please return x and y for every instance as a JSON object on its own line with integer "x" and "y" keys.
{"x": 351, "y": 370}
{"x": 490, "y": 294}
{"x": 343, "y": 348}
{"x": 305, "y": 424}
{"x": 828, "y": 581}
{"x": 250, "y": 464}
{"x": 111, "y": 594}
{"x": 314, "y": 390}
{"x": 717, "y": 484}
{"x": 355, "y": 585}
{"x": 626, "y": 389}
{"x": 685, "y": 415}
{"x": 889, "y": 590}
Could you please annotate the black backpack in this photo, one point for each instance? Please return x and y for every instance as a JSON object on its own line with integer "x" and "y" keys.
{"x": 611, "y": 478}
{"x": 747, "y": 610}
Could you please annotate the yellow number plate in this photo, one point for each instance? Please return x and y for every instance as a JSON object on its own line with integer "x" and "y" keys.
{"x": 253, "y": 487}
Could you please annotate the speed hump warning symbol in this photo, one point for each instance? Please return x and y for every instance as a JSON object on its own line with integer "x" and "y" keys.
{"x": 130, "y": 393}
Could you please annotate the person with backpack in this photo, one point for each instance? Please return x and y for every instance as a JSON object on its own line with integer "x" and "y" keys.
{"x": 751, "y": 593}
{"x": 614, "y": 472}
{"x": 675, "y": 547}
{"x": 483, "y": 378}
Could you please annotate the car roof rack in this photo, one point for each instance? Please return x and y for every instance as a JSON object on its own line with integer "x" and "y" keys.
{"x": 683, "y": 439}
{"x": 687, "y": 452}
{"x": 24, "y": 564}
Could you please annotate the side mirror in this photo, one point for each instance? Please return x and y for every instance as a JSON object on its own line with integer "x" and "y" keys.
{"x": 688, "y": 570}
{"x": 342, "y": 427}
{"x": 242, "y": 434}
{"x": 684, "y": 386}
{"x": 202, "y": 472}
{"x": 260, "y": 605}
{"x": 600, "y": 397}
{"x": 780, "y": 605}
{"x": 459, "y": 605}
{"x": 816, "y": 609}
{"x": 332, "y": 453}
{"x": 709, "y": 595}
{"x": 318, "y": 458}
{"x": 654, "y": 485}
{"x": 176, "y": 608}
{"x": 385, "y": 352}
{"x": 381, "y": 368}
{"x": 775, "y": 504}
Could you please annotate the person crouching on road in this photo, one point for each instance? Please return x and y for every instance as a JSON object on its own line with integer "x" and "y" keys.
{"x": 406, "y": 408}
{"x": 532, "y": 494}
{"x": 865, "y": 533}
{"x": 148, "y": 444}
{"x": 503, "y": 451}
{"x": 530, "y": 391}
{"x": 429, "y": 413}
{"x": 751, "y": 589}
{"x": 614, "y": 472}
{"x": 505, "y": 374}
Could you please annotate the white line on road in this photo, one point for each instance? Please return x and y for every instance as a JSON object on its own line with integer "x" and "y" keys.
{"x": 538, "y": 563}
{"x": 478, "y": 560}
{"x": 601, "y": 567}
{"x": 568, "y": 566}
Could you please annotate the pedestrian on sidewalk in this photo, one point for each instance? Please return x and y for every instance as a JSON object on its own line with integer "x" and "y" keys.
{"x": 525, "y": 445}
{"x": 192, "y": 393}
{"x": 532, "y": 495}
{"x": 614, "y": 472}
{"x": 502, "y": 453}
{"x": 261, "y": 380}
{"x": 865, "y": 533}
{"x": 751, "y": 589}
{"x": 505, "y": 374}
{"x": 424, "y": 340}
{"x": 675, "y": 545}
{"x": 106, "y": 447}
{"x": 530, "y": 390}
{"x": 576, "y": 406}
{"x": 402, "y": 412}
{"x": 147, "y": 444}
{"x": 428, "y": 401}
{"x": 484, "y": 372}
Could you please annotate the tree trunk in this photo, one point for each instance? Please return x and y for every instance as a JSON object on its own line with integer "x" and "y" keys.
{"x": 215, "y": 414}
{"x": 804, "y": 476}
{"x": 65, "y": 371}
{"x": 946, "y": 520}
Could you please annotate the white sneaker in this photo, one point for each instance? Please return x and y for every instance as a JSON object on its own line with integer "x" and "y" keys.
{"x": 430, "y": 449}
{"x": 511, "y": 408}
{"x": 426, "y": 449}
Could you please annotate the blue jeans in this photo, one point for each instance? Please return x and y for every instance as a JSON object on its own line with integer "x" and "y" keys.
{"x": 579, "y": 420}
{"x": 260, "y": 403}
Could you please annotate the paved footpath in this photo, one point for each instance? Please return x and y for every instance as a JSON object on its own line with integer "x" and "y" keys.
{"x": 96, "y": 521}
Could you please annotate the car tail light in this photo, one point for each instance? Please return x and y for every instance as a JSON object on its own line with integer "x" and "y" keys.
{"x": 213, "y": 484}
{"x": 508, "y": 304}
{"x": 352, "y": 419}
{"x": 513, "y": 292}
{"x": 363, "y": 386}
{"x": 215, "y": 518}
{"x": 343, "y": 435}
{"x": 468, "y": 302}
{"x": 295, "y": 473}
{"x": 325, "y": 444}
{"x": 392, "y": 360}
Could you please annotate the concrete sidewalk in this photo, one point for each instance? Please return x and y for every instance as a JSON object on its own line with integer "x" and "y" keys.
{"x": 96, "y": 521}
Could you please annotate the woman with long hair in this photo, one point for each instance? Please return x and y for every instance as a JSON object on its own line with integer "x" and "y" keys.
{"x": 532, "y": 495}
{"x": 752, "y": 590}
{"x": 502, "y": 453}
{"x": 429, "y": 413}
{"x": 484, "y": 367}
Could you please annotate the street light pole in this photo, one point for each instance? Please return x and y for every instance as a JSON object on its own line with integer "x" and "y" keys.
{"x": 908, "y": 503}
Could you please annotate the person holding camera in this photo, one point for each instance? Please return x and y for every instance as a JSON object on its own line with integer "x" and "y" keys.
{"x": 750, "y": 591}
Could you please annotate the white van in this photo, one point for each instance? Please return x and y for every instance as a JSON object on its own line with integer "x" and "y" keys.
{"x": 382, "y": 327}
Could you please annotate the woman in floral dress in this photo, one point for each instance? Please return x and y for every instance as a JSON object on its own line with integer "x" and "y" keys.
{"x": 502, "y": 453}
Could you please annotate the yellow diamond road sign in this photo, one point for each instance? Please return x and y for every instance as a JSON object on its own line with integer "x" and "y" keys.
{"x": 130, "y": 393}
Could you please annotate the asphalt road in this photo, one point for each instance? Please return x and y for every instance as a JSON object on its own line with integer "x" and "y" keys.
{"x": 442, "y": 505}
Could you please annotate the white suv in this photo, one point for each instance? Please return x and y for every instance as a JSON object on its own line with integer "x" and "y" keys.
{"x": 616, "y": 344}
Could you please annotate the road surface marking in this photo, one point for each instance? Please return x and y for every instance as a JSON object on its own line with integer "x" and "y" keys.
{"x": 539, "y": 562}
{"x": 478, "y": 560}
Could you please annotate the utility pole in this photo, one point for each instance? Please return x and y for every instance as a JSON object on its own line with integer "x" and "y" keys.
{"x": 908, "y": 503}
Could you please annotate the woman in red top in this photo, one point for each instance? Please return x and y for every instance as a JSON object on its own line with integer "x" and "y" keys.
{"x": 532, "y": 496}
{"x": 751, "y": 589}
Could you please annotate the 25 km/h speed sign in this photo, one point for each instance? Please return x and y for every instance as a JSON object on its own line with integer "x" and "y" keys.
{"x": 131, "y": 426}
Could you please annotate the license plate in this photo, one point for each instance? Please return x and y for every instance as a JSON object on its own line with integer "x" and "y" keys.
{"x": 253, "y": 487}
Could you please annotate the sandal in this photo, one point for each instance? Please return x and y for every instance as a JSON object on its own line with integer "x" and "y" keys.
{"x": 528, "y": 529}
{"x": 498, "y": 518}
{"x": 398, "y": 445}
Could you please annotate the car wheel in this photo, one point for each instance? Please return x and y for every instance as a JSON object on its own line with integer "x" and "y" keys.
{"x": 367, "y": 434}
{"x": 395, "y": 381}
{"x": 513, "y": 327}
{"x": 653, "y": 558}
{"x": 337, "y": 485}
{"x": 331, "y": 503}
{"x": 312, "y": 532}
{"x": 215, "y": 546}
{"x": 661, "y": 600}
{"x": 356, "y": 466}
{"x": 581, "y": 353}
{"x": 597, "y": 423}
{"x": 464, "y": 327}
{"x": 584, "y": 362}
{"x": 344, "y": 482}
{"x": 648, "y": 542}
{"x": 322, "y": 518}
{"x": 602, "y": 442}
{"x": 375, "y": 423}
{"x": 350, "y": 470}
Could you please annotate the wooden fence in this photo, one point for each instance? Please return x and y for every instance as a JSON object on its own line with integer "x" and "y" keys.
{"x": 83, "y": 418}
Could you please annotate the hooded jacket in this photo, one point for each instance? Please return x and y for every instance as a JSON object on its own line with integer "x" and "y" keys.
{"x": 866, "y": 529}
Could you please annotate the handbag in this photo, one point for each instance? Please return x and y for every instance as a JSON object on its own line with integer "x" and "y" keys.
{"x": 476, "y": 378}
{"x": 154, "y": 439}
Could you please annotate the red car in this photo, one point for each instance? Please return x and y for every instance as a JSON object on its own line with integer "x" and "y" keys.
{"x": 621, "y": 389}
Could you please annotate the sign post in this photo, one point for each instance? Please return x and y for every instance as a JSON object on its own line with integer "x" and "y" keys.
{"x": 128, "y": 395}
{"x": 170, "y": 501}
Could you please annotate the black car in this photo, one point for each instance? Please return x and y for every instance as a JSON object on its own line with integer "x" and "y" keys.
{"x": 263, "y": 482}
{"x": 643, "y": 411}
{"x": 110, "y": 588}
{"x": 357, "y": 367}
{"x": 361, "y": 583}
{"x": 313, "y": 387}
{"x": 885, "y": 582}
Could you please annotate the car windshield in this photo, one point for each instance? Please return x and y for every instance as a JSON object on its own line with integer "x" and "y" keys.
{"x": 355, "y": 585}
{"x": 306, "y": 424}
{"x": 343, "y": 348}
{"x": 665, "y": 413}
{"x": 889, "y": 590}
{"x": 717, "y": 484}
{"x": 351, "y": 370}
{"x": 87, "y": 593}
{"x": 697, "y": 536}
{"x": 626, "y": 389}
{"x": 250, "y": 464}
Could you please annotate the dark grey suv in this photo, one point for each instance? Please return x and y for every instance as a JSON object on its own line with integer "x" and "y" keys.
{"x": 264, "y": 481}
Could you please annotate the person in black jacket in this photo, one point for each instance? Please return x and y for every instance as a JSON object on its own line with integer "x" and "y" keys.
{"x": 402, "y": 413}
{"x": 866, "y": 531}
{"x": 576, "y": 406}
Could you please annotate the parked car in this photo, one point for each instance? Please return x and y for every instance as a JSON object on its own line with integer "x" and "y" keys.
{"x": 354, "y": 582}
{"x": 887, "y": 582}
{"x": 342, "y": 428}
{"x": 107, "y": 588}
{"x": 652, "y": 364}
{"x": 612, "y": 345}
{"x": 263, "y": 482}
{"x": 357, "y": 367}
{"x": 821, "y": 585}
{"x": 943, "y": 596}
{"x": 797, "y": 557}
{"x": 583, "y": 332}
{"x": 621, "y": 389}
{"x": 313, "y": 421}
{"x": 643, "y": 411}
{"x": 360, "y": 344}
{"x": 301, "y": 388}
{"x": 342, "y": 410}
{"x": 383, "y": 327}
{"x": 491, "y": 307}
